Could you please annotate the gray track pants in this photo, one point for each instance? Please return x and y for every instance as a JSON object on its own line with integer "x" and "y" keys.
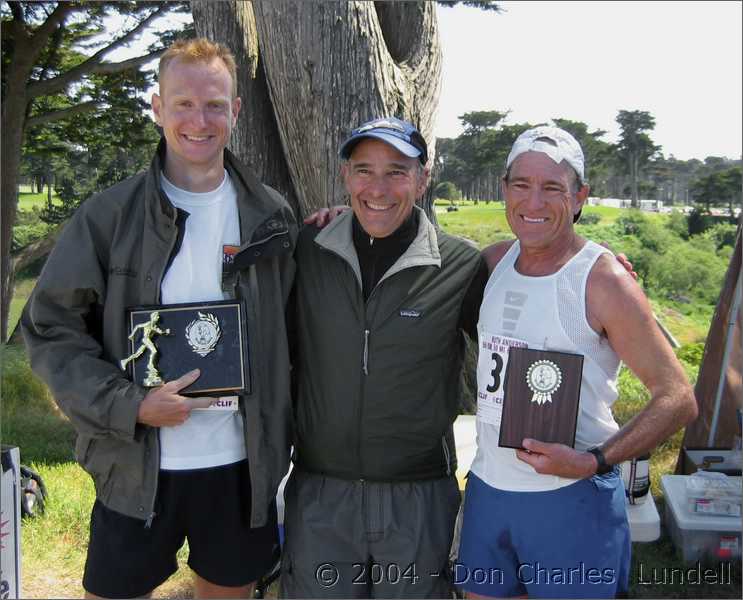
{"x": 359, "y": 539}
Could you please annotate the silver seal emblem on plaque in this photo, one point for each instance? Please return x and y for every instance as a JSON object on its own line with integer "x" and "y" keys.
{"x": 203, "y": 333}
{"x": 543, "y": 378}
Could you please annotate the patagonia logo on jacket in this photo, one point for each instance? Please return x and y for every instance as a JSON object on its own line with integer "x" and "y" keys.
{"x": 123, "y": 271}
{"x": 410, "y": 313}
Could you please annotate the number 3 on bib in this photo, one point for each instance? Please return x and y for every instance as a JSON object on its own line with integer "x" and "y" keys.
{"x": 491, "y": 368}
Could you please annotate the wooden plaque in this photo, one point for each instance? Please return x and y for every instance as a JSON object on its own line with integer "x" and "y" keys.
{"x": 542, "y": 397}
{"x": 210, "y": 336}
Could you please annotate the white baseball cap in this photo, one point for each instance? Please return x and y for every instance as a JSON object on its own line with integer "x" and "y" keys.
{"x": 556, "y": 143}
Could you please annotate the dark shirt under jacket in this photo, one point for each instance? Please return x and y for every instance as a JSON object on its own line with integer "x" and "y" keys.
{"x": 377, "y": 255}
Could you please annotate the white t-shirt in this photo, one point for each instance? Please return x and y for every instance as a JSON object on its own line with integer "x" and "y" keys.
{"x": 209, "y": 437}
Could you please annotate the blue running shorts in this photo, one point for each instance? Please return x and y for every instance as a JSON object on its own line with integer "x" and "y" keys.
{"x": 573, "y": 542}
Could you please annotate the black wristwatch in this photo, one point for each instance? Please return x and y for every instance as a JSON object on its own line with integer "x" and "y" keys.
{"x": 603, "y": 466}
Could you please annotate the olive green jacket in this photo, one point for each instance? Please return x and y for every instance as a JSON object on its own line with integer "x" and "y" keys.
{"x": 113, "y": 254}
{"x": 378, "y": 382}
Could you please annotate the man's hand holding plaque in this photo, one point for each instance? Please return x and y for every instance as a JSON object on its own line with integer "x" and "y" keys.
{"x": 557, "y": 459}
{"x": 163, "y": 406}
{"x": 207, "y": 337}
{"x": 542, "y": 395}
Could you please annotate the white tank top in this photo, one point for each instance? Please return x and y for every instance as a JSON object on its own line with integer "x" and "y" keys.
{"x": 544, "y": 313}
{"x": 214, "y": 436}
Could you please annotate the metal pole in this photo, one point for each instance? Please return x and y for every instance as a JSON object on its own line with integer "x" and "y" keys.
{"x": 725, "y": 358}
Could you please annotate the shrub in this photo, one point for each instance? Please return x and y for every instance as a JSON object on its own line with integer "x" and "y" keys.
{"x": 687, "y": 272}
{"x": 447, "y": 191}
{"x": 589, "y": 218}
{"x": 691, "y": 353}
{"x": 723, "y": 234}
{"x": 650, "y": 234}
{"x": 678, "y": 224}
{"x": 698, "y": 221}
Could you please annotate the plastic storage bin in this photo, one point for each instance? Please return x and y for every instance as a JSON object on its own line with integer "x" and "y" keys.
{"x": 699, "y": 537}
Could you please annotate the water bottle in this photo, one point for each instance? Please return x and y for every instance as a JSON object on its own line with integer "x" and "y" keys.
{"x": 636, "y": 478}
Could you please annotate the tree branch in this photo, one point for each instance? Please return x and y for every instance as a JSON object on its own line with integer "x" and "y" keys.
{"x": 127, "y": 64}
{"x": 61, "y": 114}
{"x": 59, "y": 14}
{"x": 17, "y": 11}
{"x": 94, "y": 63}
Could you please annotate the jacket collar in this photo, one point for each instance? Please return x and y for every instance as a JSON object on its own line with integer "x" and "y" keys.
{"x": 260, "y": 215}
{"x": 337, "y": 237}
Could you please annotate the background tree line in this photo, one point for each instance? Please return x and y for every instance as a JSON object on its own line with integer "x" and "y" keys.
{"x": 73, "y": 120}
{"x": 470, "y": 165}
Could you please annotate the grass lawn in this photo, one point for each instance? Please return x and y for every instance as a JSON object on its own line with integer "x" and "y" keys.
{"x": 28, "y": 201}
{"x": 23, "y": 289}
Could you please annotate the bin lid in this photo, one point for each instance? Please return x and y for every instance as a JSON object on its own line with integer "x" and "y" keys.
{"x": 674, "y": 490}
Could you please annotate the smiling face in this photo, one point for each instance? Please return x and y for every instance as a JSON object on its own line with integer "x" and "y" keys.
{"x": 541, "y": 200}
{"x": 383, "y": 184}
{"x": 197, "y": 112}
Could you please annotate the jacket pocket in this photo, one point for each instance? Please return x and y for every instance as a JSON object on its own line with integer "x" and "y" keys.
{"x": 96, "y": 463}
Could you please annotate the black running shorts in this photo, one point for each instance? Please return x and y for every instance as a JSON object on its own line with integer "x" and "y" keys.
{"x": 208, "y": 507}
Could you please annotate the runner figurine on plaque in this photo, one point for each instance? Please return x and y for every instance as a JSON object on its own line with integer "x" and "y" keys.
{"x": 542, "y": 397}
{"x": 209, "y": 336}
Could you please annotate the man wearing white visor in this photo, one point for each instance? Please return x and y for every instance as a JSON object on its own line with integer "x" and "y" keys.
{"x": 548, "y": 520}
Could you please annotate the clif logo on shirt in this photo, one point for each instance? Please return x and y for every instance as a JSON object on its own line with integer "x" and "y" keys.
{"x": 228, "y": 254}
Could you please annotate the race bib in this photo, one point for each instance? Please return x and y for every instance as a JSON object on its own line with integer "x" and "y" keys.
{"x": 224, "y": 403}
{"x": 492, "y": 361}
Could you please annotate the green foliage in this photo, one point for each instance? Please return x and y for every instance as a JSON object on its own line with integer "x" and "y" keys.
{"x": 699, "y": 221}
{"x": 25, "y": 234}
{"x": 678, "y": 224}
{"x": 670, "y": 268}
{"x": 587, "y": 218}
{"x": 718, "y": 188}
{"x": 24, "y": 285}
{"x": 28, "y": 229}
{"x": 690, "y": 272}
{"x": 634, "y": 143}
{"x": 722, "y": 234}
{"x": 107, "y": 150}
{"x": 633, "y": 396}
{"x": 691, "y": 353}
{"x": 447, "y": 190}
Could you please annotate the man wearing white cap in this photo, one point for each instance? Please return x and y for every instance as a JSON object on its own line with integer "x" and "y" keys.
{"x": 548, "y": 520}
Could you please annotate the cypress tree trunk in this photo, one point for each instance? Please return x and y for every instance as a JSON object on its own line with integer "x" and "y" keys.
{"x": 311, "y": 71}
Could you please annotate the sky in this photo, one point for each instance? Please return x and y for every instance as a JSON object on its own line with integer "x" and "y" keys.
{"x": 586, "y": 61}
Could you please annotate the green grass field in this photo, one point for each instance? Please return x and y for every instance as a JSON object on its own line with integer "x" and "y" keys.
{"x": 53, "y": 545}
{"x": 29, "y": 201}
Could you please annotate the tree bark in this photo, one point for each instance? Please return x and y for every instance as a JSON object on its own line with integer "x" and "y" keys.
{"x": 711, "y": 369}
{"x": 327, "y": 67}
{"x": 13, "y": 116}
{"x": 255, "y": 139}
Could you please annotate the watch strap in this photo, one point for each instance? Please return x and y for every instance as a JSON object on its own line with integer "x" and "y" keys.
{"x": 603, "y": 466}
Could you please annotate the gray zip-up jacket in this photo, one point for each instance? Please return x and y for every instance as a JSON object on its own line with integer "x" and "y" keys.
{"x": 378, "y": 382}
{"x": 113, "y": 254}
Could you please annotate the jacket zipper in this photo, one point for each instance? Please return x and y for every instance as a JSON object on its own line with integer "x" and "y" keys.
{"x": 360, "y": 424}
{"x": 265, "y": 239}
{"x": 447, "y": 456}
{"x": 365, "y": 360}
{"x": 156, "y": 449}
